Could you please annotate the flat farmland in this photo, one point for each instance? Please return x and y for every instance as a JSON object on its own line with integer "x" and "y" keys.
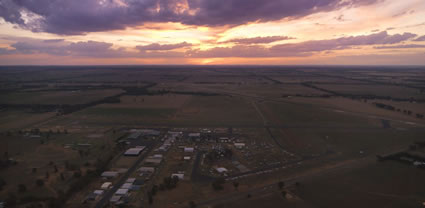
{"x": 56, "y": 97}
{"x": 347, "y": 142}
{"x": 21, "y": 119}
{"x": 386, "y": 184}
{"x": 377, "y": 90}
{"x": 303, "y": 114}
{"x": 175, "y": 110}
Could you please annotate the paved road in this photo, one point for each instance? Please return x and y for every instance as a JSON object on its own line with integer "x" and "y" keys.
{"x": 105, "y": 199}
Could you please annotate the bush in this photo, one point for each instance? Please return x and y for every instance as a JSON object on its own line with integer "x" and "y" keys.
{"x": 39, "y": 182}
{"x": 22, "y": 188}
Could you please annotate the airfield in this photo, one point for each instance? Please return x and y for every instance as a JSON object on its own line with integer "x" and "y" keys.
{"x": 212, "y": 136}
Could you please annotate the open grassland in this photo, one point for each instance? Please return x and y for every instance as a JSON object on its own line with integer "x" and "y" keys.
{"x": 19, "y": 119}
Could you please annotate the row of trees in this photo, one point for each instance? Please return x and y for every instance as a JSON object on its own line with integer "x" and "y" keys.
{"x": 392, "y": 108}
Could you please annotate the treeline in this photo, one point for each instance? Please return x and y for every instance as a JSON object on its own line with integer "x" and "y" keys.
{"x": 392, "y": 108}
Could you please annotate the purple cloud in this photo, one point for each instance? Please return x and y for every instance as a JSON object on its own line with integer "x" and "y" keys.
{"x": 421, "y": 38}
{"x": 258, "y": 40}
{"x": 82, "y": 16}
{"x": 400, "y": 46}
{"x": 164, "y": 47}
{"x": 306, "y": 48}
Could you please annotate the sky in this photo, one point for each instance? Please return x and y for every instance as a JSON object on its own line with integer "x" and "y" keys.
{"x": 202, "y": 32}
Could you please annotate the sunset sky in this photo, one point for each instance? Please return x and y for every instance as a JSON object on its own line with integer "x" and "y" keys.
{"x": 73, "y": 32}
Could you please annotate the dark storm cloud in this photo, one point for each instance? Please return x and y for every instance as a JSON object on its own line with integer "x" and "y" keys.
{"x": 163, "y": 47}
{"x": 258, "y": 40}
{"x": 81, "y": 16}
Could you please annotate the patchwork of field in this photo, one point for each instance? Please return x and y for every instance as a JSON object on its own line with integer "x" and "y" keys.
{"x": 306, "y": 124}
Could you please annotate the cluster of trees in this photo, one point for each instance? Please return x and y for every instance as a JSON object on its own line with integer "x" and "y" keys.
{"x": 167, "y": 184}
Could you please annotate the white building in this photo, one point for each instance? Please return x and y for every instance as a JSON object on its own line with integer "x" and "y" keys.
{"x": 239, "y": 145}
{"x": 106, "y": 185}
{"x": 134, "y": 151}
{"x": 221, "y": 170}
{"x": 189, "y": 149}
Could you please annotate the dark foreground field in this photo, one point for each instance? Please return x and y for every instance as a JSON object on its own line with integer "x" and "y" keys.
{"x": 318, "y": 130}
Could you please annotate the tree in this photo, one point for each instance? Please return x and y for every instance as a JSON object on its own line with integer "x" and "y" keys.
{"x": 62, "y": 177}
{"x": 281, "y": 184}
{"x": 248, "y": 196}
{"x": 284, "y": 194}
{"x": 154, "y": 190}
{"x": 34, "y": 170}
{"x": 22, "y": 188}
{"x": 2, "y": 183}
{"x": 236, "y": 184}
{"x": 192, "y": 204}
{"x": 150, "y": 198}
{"x": 218, "y": 184}
{"x": 39, "y": 182}
{"x": 47, "y": 175}
{"x": 11, "y": 200}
